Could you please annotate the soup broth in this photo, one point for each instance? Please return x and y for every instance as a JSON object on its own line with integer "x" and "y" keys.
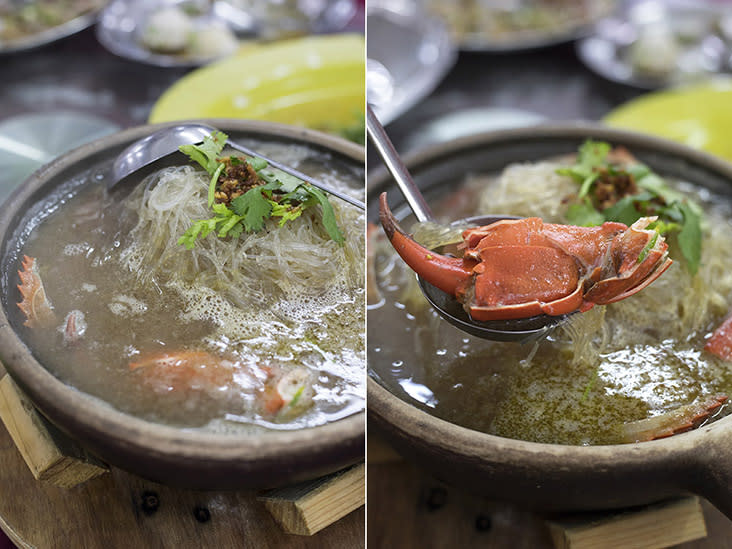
{"x": 261, "y": 331}
{"x": 639, "y": 358}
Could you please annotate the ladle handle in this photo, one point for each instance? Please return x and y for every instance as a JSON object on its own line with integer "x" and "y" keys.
{"x": 292, "y": 171}
{"x": 396, "y": 167}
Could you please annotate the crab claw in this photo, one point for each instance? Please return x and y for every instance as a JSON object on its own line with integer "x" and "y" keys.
{"x": 449, "y": 274}
{"x": 518, "y": 268}
{"x": 35, "y": 305}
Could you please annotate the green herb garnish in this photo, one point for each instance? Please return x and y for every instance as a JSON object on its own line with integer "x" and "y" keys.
{"x": 280, "y": 195}
{"x": 644, "y": 194}
{"x": 296, "y": 396}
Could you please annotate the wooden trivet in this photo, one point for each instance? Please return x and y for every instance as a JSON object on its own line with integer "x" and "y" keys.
{"x": 410, "y": 508}
{"x": 59, "y": 499}
{"x": 648, "y": 527}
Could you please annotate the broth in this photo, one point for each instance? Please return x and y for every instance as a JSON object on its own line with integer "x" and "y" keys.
{"x": 208, "y": 337}
{"x": 638, "y": 358}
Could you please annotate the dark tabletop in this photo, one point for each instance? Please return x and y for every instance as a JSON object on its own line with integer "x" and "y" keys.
{"x": 551, "y": 82}
{"x": 78, "y": 74}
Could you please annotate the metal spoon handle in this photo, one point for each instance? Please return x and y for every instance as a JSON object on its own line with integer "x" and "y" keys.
{"x": 298, "y": 174}
{"x": 396, "y": 167}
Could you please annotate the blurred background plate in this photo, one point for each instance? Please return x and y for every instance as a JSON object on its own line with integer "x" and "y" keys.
{"x": 190, "y": 33}
{"x": 518, "y": 25}
{"x": 697, "y": 115}
{"x": 316, "y": 82}
{"x": 409, "y": 53}
{"x": 654, "y": 43}
{"x": 42, "y": 28}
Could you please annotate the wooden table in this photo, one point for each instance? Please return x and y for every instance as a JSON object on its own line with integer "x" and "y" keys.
{"x": 122, "y": 510}
{"x": 407, "y": 508}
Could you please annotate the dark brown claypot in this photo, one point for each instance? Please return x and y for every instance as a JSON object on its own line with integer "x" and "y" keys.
{"x": 166, "y": 454}
{"x": 547, "y": 476}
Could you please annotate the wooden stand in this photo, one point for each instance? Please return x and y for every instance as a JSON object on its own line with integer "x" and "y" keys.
{"x": 56, "y": 495}
{"x": 650, "y": 527}
{"x": 407, "y": 508}
{"x": 50, "y": 455}
{"x": 309, "y": 507}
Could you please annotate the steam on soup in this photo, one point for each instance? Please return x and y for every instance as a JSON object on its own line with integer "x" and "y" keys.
{"x": 229, "y": 306}
{"x": 629, "y": 371}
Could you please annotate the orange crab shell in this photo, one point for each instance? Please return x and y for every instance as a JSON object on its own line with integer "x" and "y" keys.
{"x": 525, "y": 267}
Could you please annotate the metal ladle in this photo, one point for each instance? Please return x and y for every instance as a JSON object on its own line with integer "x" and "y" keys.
{"x": 522, "y": 329}
{"x": 157, "y": 150}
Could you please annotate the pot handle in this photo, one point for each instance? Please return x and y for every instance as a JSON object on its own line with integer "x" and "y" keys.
{"x": 713, "y": 478}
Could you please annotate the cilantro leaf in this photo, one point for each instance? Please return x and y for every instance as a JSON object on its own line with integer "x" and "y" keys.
{"x": 592, "y": 153}
{"x": 690, "y": 237}
{"x": 584, "y": 214}
{"x": 207, "y": 153}
{"x": 626, "y": 209}
{"x": 329, "y": 218}
{"x": 654, "y": 197}
{"x": 253, "y": 207}
{"x": 647, "y": 248}
{"x": 212, "y": 184}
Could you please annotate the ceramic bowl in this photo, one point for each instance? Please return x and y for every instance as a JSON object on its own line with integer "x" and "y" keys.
{"x": 179, "y": 457}
{"x": 552, "y": 476}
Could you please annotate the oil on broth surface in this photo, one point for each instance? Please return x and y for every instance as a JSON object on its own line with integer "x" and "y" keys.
{"x": 631, "y": 360}
{"x": 97, "y": 256}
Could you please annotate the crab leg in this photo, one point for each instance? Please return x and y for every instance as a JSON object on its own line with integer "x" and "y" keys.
{"x": 35, "y": 305}
{"x": 672, "y": 423}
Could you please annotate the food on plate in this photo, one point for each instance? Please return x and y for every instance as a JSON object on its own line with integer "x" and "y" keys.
{"x": 515, "y": 23}
{"x": 21, "y": 19}
{"x": 220, "y": 293}
{"x": 171, "y": 30}
{"x": 641, "y": 368}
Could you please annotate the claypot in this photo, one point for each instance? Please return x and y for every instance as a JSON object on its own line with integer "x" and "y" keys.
{"x": 551, "y": 476}
{"x": 179, "y": 457}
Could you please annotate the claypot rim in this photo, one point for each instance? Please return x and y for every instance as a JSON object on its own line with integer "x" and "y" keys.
{"x": 63, "y": 403}
{"x": 452, "y": 438}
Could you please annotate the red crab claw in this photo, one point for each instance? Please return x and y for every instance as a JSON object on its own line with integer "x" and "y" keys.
{"x": 525, "y": 267}
{"x": 446, "y": 273}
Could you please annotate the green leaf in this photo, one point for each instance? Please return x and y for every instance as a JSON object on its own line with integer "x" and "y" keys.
{"x": 576, "y": 172}
{"x": 253, "y": 207}
{"x": 648, "y": 247}
{"x": 592, "y": 153}
{"x": 623, "y": 211}
{"x": 257, "y": 163}
{"x": 286, "y": 213}
{"x": 329, "y": 218}
{"x": 587, "y": 184}
{"x": 638, "y": 171}
{"x": 207, "y": 153}
{"x": 200, "y": 229}
{"x": 287, "y": 182}
{"x": 584, "y": 214}
{"x": 212, "y": 184}
{"x": 690, "y": 237}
